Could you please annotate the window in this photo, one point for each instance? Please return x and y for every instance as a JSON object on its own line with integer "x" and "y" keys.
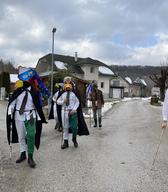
{"x": 116, "y": 82}
{"x": 102, "y": 85}
{"x": 92, "y": 70}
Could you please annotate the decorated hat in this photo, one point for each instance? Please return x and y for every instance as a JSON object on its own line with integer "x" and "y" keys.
{"x": 18, "y": 84}
{"x": 67, "y": 78}
{"x": 25, "y": 74}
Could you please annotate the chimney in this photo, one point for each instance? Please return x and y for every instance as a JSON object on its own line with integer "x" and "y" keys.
{"x": 76, "y": 56}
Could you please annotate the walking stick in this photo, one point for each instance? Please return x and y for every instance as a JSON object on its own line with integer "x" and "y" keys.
{"x": 10, "y": 146}
{"x": 62, "y": 129}
{"x": 90, "y": 117}
{"x": 10, "y": 149}
{"x": 160, "y": 140}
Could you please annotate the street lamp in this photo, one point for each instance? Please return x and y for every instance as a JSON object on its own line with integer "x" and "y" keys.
{"x": 52, "y": 61}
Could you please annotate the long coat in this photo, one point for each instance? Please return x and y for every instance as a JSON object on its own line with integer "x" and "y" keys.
{"x": 82, "y": 126}
{"x": 12, "y": 135}
{"x": 97, "y": 99}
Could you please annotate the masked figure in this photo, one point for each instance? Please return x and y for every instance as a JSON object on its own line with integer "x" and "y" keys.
{"x": 25, "y": 117}
{"x": 96, "y": 96}
{"x": 71, "y": 113}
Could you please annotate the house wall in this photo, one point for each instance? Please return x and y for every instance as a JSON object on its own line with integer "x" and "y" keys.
{"x": 138, "y": 91}
{"x": 99, "y": 78}
{"x": 106, "y": 80}
{"x": 116, "y": 93}
{"x": 128, "y": 89}
{"x": 87, "y": 73}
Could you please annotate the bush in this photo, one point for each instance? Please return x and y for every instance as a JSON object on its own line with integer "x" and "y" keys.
{"x": 154, "y": 100}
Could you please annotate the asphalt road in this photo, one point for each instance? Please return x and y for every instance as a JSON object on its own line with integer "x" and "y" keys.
{"x": 116, "y": 158}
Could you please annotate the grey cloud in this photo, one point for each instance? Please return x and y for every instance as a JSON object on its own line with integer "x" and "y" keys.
{"x": 116, "y": 26}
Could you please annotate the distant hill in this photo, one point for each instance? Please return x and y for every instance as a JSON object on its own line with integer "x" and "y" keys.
{"x": 7, "y": 67}
{"x": 135, "y": 71}
{"x": 143, "y": 72}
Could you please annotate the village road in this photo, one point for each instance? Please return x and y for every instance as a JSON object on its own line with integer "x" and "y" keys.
{"x": 116, "y": 158}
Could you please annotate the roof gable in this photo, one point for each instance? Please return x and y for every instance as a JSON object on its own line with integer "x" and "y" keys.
{"x": 67, "y": 63}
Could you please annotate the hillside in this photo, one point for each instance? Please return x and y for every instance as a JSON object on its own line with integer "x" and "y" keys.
{"x": 7, "y": 67}
{"x": 135, "y": 71}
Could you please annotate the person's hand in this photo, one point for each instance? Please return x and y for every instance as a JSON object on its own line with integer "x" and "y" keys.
{"x": 72, "y": 112}
{"x": 65, "y": 100}
{"x": 164, "y": 124}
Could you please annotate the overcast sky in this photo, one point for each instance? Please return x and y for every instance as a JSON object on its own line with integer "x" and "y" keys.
{"x": 123, "y": 32}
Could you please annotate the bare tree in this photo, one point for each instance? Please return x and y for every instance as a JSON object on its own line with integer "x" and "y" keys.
{"x": 161, "y": 81}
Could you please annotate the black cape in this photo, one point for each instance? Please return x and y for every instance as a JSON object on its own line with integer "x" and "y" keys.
{"x": 82, "y": 126}
{"x": 59, "y": 107}
{"x": 12, "y": 135}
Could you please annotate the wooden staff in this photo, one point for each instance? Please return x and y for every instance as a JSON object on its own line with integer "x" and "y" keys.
{"x": 10, "y": 150}
{"x": 160, "y": 140}
{"x": 90, "y": 117}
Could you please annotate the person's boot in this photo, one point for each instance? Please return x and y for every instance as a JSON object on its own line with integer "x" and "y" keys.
{"x": 57, "y": 125}
{"x": 100, "y": 125}
{"x": 75, "y": 142}
{"x": 95, "y": 123}
{"x": 30, "y": 161}
{"x": 60, "y": 128}
{"x": 65, "y": 144}
{"x": 22, "y": 157}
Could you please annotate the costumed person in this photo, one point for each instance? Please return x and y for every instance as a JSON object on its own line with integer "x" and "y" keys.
{"x": 72, "y": 116}
{"x": 96, "y": 96}
{"x": 55, "y": 112}
{"x": 25, "y": 115}
{"x": 165, "y": 111}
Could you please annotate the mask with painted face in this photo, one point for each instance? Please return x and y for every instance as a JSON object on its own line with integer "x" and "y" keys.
{"x": 67, "y": 87}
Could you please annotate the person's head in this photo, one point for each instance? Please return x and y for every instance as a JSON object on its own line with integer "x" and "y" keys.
{"x": 67, "y": 86}
{"x": 68, "y": 80}
{"x": 94, "y": 83}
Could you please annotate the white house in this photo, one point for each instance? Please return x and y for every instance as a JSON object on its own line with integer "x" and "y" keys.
{"x": 86, "y": 69}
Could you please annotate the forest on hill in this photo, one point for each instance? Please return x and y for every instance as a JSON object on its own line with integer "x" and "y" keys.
{"x": 7, "y": 66}
{"x": 135, "y": 71}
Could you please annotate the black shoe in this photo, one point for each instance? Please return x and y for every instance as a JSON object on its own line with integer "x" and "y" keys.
{"x": 75, "y": 143}
{"x": 95, "y": 126}
{"x": 22, "y": 157}
{"x": 60, "y": 129}
{"x": 100, "y": 125}
{"x": 57, "y": 125}
{"x": 65, "y": 144}
{"x": 31, "y": 162}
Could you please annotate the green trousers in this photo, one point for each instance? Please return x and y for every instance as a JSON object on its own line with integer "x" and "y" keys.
{"x": 30, "y": 136}
{"x": 73, "y": 124}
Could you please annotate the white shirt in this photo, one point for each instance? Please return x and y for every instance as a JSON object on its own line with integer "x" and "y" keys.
{"x": 29, "y": 108}
{"x": 73, "y": 101}
{"x": 165, "y": 107}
